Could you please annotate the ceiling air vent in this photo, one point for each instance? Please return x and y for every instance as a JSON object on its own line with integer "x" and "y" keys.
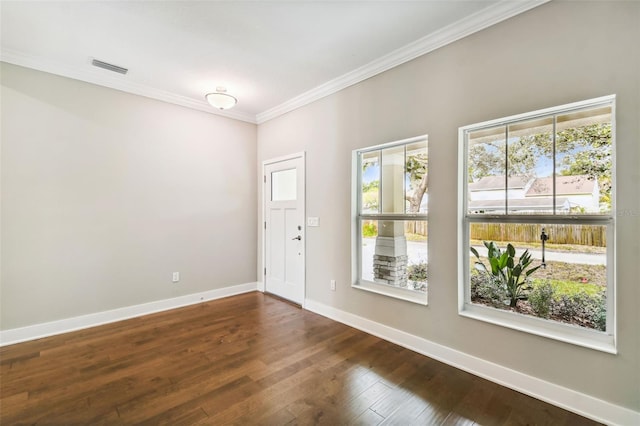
{"x": 108, "y": 66}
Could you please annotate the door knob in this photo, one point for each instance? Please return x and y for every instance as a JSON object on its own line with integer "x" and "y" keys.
{"x": 299, "y": 238}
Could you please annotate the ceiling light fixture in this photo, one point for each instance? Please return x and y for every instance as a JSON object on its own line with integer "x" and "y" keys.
{"x": 220, "y": 99}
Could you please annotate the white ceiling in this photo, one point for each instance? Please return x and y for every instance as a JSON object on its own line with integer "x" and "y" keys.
{"x": 274, "y": 56}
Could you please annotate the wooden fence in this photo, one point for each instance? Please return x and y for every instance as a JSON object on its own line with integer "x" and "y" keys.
{"x": 586, "y": 235}
{"x": 416, "y": 227}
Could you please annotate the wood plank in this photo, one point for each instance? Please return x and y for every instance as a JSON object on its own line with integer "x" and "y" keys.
{"x": 247, "y": 359}
{"x": 368, "y": 418}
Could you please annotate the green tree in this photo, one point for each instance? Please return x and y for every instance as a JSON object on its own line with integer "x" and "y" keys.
{"x": 591, "y": 154}
{"x": 370, "y": 193}
{"x": 417, "y": 167}
{"x": 488, "y": 159}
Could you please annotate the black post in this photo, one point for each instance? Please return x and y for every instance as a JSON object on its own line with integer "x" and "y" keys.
{"x": 543, "y": 237}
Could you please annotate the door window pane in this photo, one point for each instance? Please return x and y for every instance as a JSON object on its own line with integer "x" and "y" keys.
{"x": 283, "y": 185}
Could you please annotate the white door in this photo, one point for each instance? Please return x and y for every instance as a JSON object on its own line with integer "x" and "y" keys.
{"x": 284, "y": 234}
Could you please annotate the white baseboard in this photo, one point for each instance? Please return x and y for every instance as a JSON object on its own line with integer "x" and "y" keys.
{"x": 37, "y": 331}
{"x": 568, "y": 399}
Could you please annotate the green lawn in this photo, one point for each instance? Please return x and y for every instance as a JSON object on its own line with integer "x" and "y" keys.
{"x": 569, "y": 288}
{"x": 578, "y": 274}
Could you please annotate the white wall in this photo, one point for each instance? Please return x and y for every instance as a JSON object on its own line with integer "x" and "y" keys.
{"x": 558, "y": 53}
{"x": 105, "y": 194}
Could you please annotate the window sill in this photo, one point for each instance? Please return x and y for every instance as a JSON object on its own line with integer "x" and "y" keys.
{"x": 567, "y": 333}
{"x": 397, "y": 293}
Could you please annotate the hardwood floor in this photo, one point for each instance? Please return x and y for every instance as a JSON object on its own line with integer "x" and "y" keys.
{"x": 248, "y": 359}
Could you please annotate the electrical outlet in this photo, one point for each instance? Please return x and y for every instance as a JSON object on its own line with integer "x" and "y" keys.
{"x": 333, "y": 285}
{"x": 176, "y": 277}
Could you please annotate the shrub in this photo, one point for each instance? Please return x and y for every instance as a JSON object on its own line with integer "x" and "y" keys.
{"x": 417, "y": 271}
{"x": 600, "y": 317}
{"x": 571, "y": 306}
{"x": 541, "y": 298}
{"x": 506, "y": 272}
{"x": 369, "y": 229}
{"x": 486, "y": 288}
{"x": 587, "y": 310}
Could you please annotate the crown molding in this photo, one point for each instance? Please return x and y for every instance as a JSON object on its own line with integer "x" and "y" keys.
{"x": 116, "y": 82}
{"x": 485, "y": 18}
{"x": 492, "y": 15}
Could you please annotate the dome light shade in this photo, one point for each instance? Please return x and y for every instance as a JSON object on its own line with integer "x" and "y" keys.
{"x": 220, "y": 99}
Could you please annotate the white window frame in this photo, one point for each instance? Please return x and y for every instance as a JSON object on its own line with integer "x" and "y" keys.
{"x": 356, "y": 234}
{"x": 598, "y": 340}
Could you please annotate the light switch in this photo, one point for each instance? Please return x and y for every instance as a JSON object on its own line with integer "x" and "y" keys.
{"x": 313, "y": 221}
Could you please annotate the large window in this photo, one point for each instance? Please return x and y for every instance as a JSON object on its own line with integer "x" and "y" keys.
{"x": 537, "y": 222}
{"x": 390, "y": 195}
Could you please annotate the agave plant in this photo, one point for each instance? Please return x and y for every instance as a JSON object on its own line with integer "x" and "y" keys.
{"x": 505, "y": 271}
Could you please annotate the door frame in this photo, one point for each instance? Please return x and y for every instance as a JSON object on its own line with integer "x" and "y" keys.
{"x": 263, "y": 222}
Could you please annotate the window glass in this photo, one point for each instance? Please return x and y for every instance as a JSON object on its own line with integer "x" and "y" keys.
{"x": 391, "y": 219}
{"x": 283, "y": 185}
{"x": 486, "y": 170}
{"x": 394, "y": 253}
{"x": 568, "y": 282}
{"x": 393, "y": 179}
{"x": 416, "y": 178}
{"x": 583, "y": 161}
{"x": 370, "y": 190}
{"x": 530, "y": 164}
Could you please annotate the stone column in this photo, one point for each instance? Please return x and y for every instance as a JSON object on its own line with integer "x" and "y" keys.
{"x": 390, "y": 258}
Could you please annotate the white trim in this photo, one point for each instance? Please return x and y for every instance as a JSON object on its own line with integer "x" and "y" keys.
{"x": 397, "y": 293}
{"x": 485, "y": 18}
{"x": 594, "y": 102}
{"x": 117, "y": 82}
{"x": 550, "y": 329}
{"x": 38, "y": 331}
{"x": 392, "y": 144}
{"x": 301, "y": 154}
{"x": 577, "y": 402}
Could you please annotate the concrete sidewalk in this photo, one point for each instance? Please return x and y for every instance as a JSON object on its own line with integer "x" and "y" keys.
{"x": 418, "y": 252}
{"x": 558, "y": 256}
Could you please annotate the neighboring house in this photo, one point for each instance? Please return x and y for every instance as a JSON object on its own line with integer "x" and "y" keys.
{"x": 579, "y": 191}
{"x": 492, "y": 187}
{"x": 535, "y": 194}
